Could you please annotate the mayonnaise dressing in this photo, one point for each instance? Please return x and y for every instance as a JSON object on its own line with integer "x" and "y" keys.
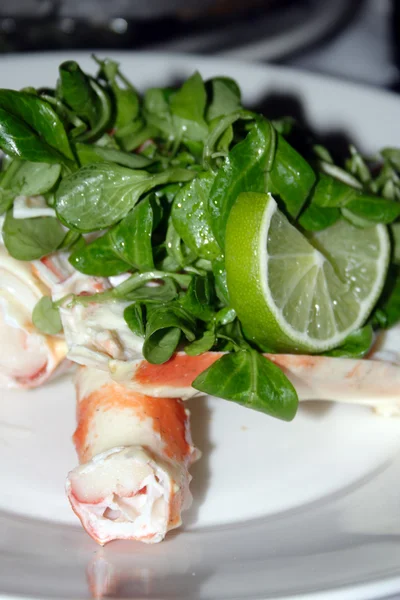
{"x": 98, "y": 332}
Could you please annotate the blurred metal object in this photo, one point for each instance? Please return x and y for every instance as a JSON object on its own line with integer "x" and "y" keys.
{"x": 285, "y": 29}
{"x": 395, "y": 26}
{"x": 255, "y": 29}
{"x": 35, "y": 9}
{"x": 363, "y": 51}
{"x": 129, "y": 9}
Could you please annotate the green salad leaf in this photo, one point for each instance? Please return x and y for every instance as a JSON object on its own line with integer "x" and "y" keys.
{"x": 23, "y": 178}
{"x": 29, "y": 239}
{"x": 187, "y": 107}
{"x": 30, "y": 129}
{"x": 76, "y": 91}
{"x": 89, "y": 153}
{"x": 245, "y": 168}
{"x": 225, "y": 97}
{"x": 164, "y": 328}
{"x": 191, "y": 218}
{"x": 125, "y": 96}
{"x": 291, "y": 177}
{"x": 357, "y": 344}
{"x": 248, "y": 378}
{"x": 134, "y": 316}
{"x": 202, "y": 344}
{"x": 46, "y": 317}
{"x": 98, "y": 258}
{"x": 99, "y": 195}
{"x": 131, "y": 238}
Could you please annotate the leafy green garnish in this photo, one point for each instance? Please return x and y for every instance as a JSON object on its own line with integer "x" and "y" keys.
{"x": 374, "y": 210}
{"x": 187, "y": 107}
{"x": 89, "y": 153}
{"x": 291, "y": 177}
{"x": 33, "y": 178}
{"x": 125, "y": 95}
{"x": 387, "y": 312}
{"x": 315, "y": 218}
{"x": 46, "y": 317}
{"x": 225, "y": 97}
{"x": 246, "y": 168}
{"x": 23, "y": 178}
{"x": 98, "y": 258}
{"x": 134, "y": 316}
{"x": 99, "y": 195}
{"x": 202, "y": 344}
{"x": 191, "y": 218}
{"x": 76, "y": 91}
{"x": 199, "y": 298}
{"x": 30, "y": 129}
{"x": 356, "y": 345}
{"x": 164, "y": 328}
{"x": 131, "y": 238}
{"x": 250, "y": 379}
{"x": 29, "y": 239}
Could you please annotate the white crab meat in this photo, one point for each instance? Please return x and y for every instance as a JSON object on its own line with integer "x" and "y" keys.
{"x": 135, "y": 452}
{"x": 27, "y": 357}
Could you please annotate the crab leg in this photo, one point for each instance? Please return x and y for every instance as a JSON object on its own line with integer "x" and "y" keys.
{"x": 27, "y": 357}
{"x": 373, "y": 383}
{"x": 135, "y": 452}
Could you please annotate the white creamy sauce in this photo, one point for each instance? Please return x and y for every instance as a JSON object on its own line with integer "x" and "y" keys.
{"x": 54, "y": 271}
{"x": 98, "y": 332}
{"x": 89, "y": 380}
{"x": 88, "y": 358}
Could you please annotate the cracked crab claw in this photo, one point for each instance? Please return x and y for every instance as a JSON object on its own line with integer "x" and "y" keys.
{"x": 27, "y": 357}
{"x": 135, "y": 452}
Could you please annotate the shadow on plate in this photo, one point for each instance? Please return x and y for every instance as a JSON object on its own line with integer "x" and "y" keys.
{"x": 276, "y": 105}
{"x": 200, "y": 417}
{"x": 317, "y": 409}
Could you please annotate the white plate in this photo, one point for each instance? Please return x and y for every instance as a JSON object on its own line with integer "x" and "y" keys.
{"x": 280, "y": 510}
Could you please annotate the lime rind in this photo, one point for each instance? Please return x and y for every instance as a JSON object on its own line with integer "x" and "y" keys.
{"x": 297, "y": 294}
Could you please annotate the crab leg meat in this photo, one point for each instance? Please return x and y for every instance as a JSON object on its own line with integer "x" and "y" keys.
{"x": 374, "y": 383}
{"x": 135, "y": 452}
{"x": 27, "y": 357}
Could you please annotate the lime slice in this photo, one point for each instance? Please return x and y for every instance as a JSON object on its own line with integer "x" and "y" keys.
{"x": 298, "y": 294}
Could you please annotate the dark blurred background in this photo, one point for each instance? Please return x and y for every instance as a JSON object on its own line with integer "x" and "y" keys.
{"x": 356, "y": 39}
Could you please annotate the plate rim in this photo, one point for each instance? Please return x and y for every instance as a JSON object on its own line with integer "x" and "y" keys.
{"x": 369, "y": 588}
{"x": 232, "y": 63}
